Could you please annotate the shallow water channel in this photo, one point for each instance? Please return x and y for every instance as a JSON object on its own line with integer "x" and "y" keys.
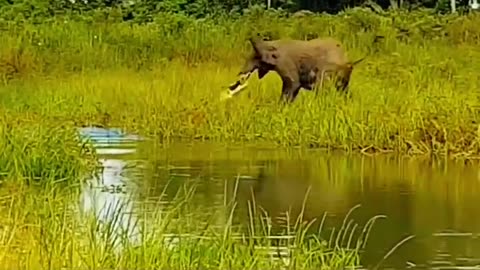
{"x": 436, "y": 202}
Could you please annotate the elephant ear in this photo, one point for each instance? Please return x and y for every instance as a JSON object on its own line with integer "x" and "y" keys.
{"x": 267, "y": 52}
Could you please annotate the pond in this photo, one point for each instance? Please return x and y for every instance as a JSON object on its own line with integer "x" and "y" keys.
{"x": 435, "y": 201}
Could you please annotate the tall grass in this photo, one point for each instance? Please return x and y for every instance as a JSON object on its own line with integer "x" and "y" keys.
{"x": 53, "y": 234}
{"x": 35, "y": 150}
{"x": 415, "y": 93}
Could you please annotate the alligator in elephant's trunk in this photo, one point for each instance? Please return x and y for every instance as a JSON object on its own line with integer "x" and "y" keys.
{"x": 238, "y": 86}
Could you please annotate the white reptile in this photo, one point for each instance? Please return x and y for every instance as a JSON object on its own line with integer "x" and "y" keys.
{"x": 236, "y": 87}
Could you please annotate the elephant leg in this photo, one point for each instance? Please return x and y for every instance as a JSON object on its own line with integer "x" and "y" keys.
{"x": 290, "y": 90}
{"x": 294, "y": 93}
{"x": 343, "y": 78}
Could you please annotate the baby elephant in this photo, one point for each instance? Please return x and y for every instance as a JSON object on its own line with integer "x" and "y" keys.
{"x": 300, "y": 64}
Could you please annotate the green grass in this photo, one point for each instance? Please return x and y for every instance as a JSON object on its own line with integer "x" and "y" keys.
{"x": 42, "y": 150}
{"x": 43, "y": 229}
{"x": 415, "y": 93}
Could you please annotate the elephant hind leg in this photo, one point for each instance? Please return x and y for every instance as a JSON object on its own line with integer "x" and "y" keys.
{"x": 343, "y": 77}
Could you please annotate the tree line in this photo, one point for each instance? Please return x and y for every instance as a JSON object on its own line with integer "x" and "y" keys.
{"x": 131, "y": 9}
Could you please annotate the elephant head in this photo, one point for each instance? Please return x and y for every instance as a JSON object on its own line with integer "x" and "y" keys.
{"x": 264, "y": 58}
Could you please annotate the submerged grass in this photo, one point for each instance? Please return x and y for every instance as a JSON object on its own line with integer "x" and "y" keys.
{"x": 47, "y": 230}
{"x": 415, "y": 93}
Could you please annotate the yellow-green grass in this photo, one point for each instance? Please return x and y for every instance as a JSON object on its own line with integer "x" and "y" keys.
{"x": 413, "y": 94}
{"x": 395, "y": 106}
{"x": 43, "y": 229}
{"x": 43, "y": 150}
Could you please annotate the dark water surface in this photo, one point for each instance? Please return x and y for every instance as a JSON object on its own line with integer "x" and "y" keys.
{"x": 437, "y": 202}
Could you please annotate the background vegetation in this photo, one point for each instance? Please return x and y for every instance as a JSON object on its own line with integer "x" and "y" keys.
{"x": 146, "y": 10}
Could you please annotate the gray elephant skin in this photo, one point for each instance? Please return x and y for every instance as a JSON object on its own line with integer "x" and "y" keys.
{"x": 300, "y": 63}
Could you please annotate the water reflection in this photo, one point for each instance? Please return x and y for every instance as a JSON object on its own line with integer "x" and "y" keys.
{"x": 110, "y": 196}
{"x": 107, "y": 198}
{"x": 419, "y": 197}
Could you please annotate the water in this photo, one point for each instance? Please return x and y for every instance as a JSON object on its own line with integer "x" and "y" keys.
{"x": 436, "y": 202}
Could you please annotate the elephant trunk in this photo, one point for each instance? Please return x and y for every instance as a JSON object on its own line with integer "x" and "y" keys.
{"x": 248, "y": 67}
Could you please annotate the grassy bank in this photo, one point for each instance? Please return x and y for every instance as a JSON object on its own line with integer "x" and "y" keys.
{"x": 41, "y": 150}
{"x": 415, "y": 93}
{"x": 46, "y": 230}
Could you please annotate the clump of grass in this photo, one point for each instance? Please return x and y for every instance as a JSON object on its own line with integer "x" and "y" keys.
{"x": 42, "y": 150}
{"x": 54, "y": 234}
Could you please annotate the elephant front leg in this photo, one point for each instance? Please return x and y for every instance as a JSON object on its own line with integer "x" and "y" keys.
{"x": 290, "y": 90}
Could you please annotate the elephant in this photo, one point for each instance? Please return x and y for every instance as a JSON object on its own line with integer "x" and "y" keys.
{"x": 299, "y": 63}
